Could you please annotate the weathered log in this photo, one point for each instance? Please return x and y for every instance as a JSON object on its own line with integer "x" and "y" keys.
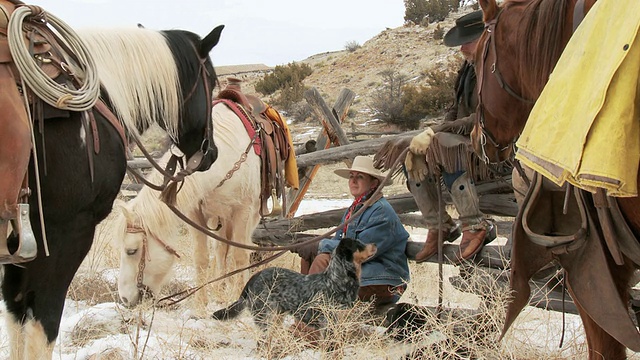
{"x": 306, "y": 148}
{"x": 314, "y": 99}
{"x": 350, "y": 151}
{"x": 307, "y": 172}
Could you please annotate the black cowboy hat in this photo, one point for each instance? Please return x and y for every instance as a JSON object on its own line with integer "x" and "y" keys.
{"x": 468, "y": 28}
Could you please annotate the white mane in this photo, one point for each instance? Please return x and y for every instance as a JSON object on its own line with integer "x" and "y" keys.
{"x": 138, "y": 70}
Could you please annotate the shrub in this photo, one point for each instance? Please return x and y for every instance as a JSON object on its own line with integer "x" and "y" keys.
{"x": 283, "y": 76}
{"x": 435, "y": 10}
{"x": 352, "y": 46}
{"x": 438, "y": 33}
{"x": 387, "y": 100}
{"x": 301, "y": 112}
{"x": 431, "y": 99}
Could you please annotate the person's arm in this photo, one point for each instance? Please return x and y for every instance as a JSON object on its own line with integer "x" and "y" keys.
{"x": 462, "y": 126}
{"x": 379, "y": 231}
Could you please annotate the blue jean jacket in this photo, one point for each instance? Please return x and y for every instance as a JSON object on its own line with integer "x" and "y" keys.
{"x": 378, "y": 224}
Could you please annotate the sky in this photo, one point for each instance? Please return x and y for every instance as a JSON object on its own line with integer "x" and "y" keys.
{"x": 270, "y": 32}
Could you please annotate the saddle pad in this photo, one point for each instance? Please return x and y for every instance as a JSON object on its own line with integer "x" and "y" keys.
{"x": 585, "y": 126}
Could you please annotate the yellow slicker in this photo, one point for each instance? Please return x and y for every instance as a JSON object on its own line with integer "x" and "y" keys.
{"x": 585, "y": 126}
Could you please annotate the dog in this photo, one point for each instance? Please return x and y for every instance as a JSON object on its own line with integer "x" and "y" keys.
{"x": 275, "y": 291}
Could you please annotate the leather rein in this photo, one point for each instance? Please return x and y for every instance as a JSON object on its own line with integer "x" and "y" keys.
{"x": 176, "y": 158}
{"x": 281, "y": 250}
{"x": 486, "y": 137}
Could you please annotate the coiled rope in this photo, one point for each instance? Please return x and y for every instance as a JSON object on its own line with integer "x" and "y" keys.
{"x": 51, "y": 92}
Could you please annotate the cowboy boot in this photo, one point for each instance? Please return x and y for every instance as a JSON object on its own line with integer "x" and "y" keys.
{"x": 476, "y": 230}
{"x": 320, "y": 263}
{"x": 425, "y": 194}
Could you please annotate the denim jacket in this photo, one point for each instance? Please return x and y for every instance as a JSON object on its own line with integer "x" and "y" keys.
{"x": 378, "y": 224}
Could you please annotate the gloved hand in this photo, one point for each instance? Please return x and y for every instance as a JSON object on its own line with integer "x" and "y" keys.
{"x": 420, "y": 143}
{"x": 307, "y": 252}
{"x": 416, "y": 166}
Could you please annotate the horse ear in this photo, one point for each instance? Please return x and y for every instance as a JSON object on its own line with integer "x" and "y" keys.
{"x": 121, "y": 206}
{"x": 489, "y": 9}
{"x": 210, "y": 40}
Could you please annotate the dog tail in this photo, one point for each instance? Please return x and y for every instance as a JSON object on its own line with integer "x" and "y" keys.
{"x": 231, "y": 311}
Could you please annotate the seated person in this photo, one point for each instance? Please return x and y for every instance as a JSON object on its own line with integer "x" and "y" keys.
{"x": 384, "y": 276}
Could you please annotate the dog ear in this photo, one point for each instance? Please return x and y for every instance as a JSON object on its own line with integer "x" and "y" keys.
{"x": 346, "y": 248}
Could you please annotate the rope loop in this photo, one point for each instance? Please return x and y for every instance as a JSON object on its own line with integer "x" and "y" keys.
{"x": 35, "y": 78}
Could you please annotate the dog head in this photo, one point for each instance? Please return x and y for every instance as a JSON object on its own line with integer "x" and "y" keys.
{"x": 355, "y": 250}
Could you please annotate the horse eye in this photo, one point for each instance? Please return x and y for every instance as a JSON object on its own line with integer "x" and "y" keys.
{"x": 131, "y": 251}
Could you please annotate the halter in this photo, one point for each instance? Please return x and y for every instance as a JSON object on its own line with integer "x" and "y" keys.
{"x": 485, "y": 135}
{"x": 142, "y": 289}
{"x": 196, "y": 158}
{"x": 194, "y": 161}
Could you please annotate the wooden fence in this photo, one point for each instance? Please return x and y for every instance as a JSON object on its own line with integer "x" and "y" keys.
{"x": 333, "y": 145}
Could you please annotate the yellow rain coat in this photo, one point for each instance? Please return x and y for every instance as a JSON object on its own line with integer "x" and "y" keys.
{"x": 585, "y": 126}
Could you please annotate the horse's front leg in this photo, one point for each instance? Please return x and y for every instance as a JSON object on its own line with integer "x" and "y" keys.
{"x": 201, "y": 259}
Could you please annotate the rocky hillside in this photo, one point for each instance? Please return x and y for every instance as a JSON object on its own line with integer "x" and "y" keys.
{"x": 411, "y": 50}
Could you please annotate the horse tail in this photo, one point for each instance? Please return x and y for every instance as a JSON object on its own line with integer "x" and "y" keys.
{"x": 230, "y": 312}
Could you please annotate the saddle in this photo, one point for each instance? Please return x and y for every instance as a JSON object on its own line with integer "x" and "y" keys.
{"x": 53, "y": 57}
{"x": 271, "y": 143}
{"x": 587, "y": 234}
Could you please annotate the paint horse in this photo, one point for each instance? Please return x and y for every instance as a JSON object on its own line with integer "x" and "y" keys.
{"x": 584, "y": 232}
{"x": 148, "y": 77}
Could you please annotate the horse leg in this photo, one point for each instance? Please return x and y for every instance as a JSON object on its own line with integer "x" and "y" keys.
{"x": 600, "y": 343}
{"x": 235, "y": 257}
{"x": 201, "y": 259}
{"x": 241, "y": 231}
{"x": 35, "y": 295}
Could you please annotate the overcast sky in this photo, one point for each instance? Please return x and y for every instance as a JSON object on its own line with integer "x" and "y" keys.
{"x": 271, "y": 32}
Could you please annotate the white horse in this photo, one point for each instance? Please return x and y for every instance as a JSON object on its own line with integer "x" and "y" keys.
{"x": 147, "y": 227}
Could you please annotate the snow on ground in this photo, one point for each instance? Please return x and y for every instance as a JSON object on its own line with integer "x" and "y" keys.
{"x": 108, "y": 328}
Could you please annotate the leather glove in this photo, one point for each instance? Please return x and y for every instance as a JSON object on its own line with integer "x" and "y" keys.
{"x": 416, "y": 166}
{"x": 307, "y": 252}
{"x": 420, "y": 143}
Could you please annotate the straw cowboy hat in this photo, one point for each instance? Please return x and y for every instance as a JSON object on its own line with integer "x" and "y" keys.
{"x": 468, "y": 28}
{"x": 363, "y": 164}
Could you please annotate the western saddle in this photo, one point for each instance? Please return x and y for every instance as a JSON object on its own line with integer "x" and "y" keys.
{"x": 271, "y": 143}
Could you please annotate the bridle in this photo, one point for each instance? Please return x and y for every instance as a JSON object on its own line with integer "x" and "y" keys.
{"x": 144, "y": 289}
{"x": 486, "y": 137}
{"x": 176, "y": 157}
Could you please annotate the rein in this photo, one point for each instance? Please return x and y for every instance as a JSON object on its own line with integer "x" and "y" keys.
{"x": 281, "y": 250}
{"x": 194, "y": 161}
{"x": 486, "y": 137}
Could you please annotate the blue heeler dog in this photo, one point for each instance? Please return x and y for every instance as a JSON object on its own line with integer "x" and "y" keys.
{"x": 275, "y": 291}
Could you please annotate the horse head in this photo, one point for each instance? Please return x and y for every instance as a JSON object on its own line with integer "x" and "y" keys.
{"x": 518, "y": 50}
{"x": 197, "y": 79}
{"x": 145, "y": 260}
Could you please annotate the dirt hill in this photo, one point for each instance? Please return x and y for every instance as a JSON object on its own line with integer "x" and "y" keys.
{"x": 411, "y": 50}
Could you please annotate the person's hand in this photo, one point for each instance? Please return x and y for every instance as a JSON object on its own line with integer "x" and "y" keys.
{"x": 307, "y": 252}
{"x": 416, "y": 166}
{"x": 420, "y": 143}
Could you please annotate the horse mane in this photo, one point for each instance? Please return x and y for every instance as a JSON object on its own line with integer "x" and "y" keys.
{"x": 139, "y": 73}
{"x": 545, "y": 36}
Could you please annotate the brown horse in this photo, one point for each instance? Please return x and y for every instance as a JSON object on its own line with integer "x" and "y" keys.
{"x": 523, "y": 42}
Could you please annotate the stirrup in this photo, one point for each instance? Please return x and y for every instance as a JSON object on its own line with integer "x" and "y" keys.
{"x": 276, "y": 206}
{"x": 27, "y": 246}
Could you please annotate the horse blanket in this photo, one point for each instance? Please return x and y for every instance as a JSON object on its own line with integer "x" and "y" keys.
{"x": 585, "y": 126}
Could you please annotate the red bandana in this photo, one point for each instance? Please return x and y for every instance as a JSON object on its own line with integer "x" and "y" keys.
{"x": 359, "y": 200}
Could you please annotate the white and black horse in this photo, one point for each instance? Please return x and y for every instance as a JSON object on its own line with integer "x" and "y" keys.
{"x": 148, "y": 77}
